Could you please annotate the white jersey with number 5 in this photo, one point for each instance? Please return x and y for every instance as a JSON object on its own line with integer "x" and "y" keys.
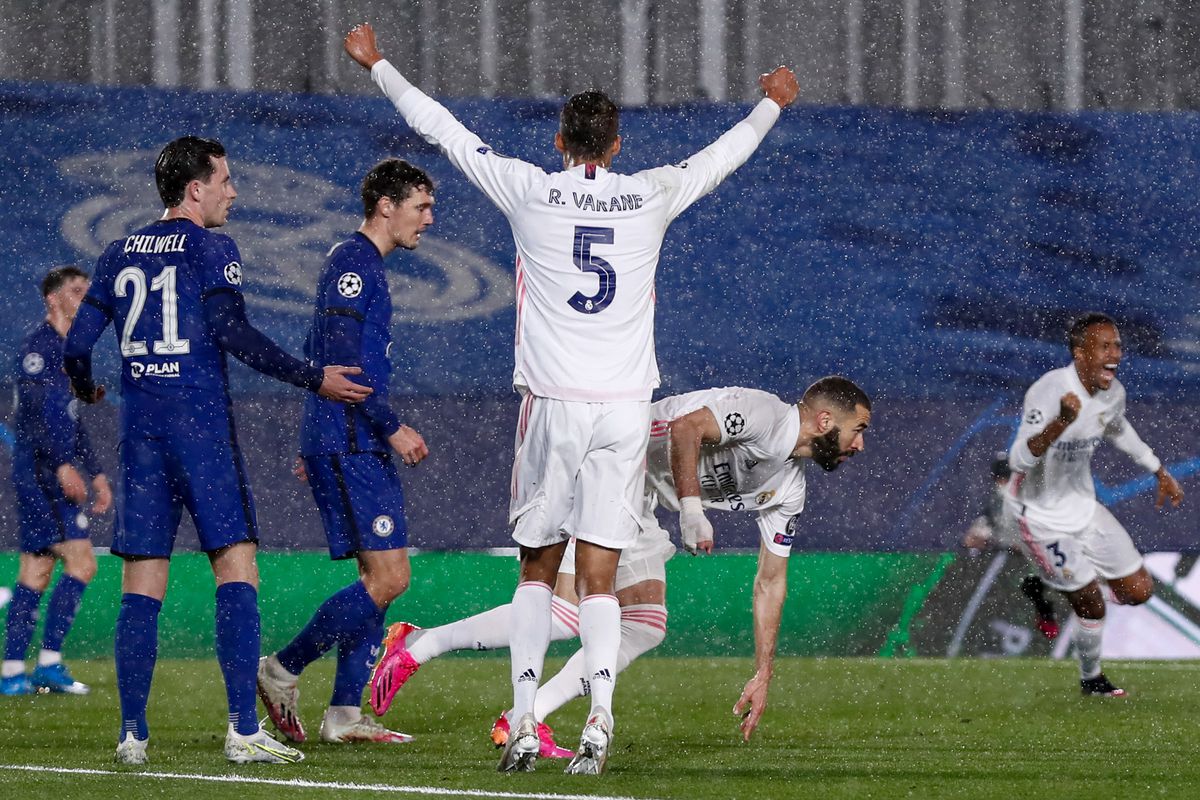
{"x": 587, "y": 244}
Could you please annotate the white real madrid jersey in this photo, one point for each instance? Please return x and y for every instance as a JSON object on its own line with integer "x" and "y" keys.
{"x": 750, "y": 469}
{"x": 587, "y": 247}
{"x": 1057, "y": 489}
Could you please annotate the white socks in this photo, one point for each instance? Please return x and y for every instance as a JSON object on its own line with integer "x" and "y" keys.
{"x": 489, "y": 630}
{"x": 48, "y": 658}
{"x": 643, "y": 627}
{"x": 528, "y": 639}
{"x": 10, "y": 669}
{"x": 1087, "y": 646}
{"x": 600, "y": 633}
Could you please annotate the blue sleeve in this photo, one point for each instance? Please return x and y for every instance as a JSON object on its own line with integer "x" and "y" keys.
{"x": 86, "y": 453}
{"x": 36, "y": 392}
{"x": 343, "y": 346}
{"x": 90, "y": 321}
{"x": 226, "y": 314}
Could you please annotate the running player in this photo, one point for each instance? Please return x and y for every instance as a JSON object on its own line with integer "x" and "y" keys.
{"x": 346, "y": 456}
{"x": 1073, "y": 539}
{"x": 50, "y": 440}
{"x": 729, "y": 449}
{"x": 173, "y": 293}
{"x": 588, "y": 243}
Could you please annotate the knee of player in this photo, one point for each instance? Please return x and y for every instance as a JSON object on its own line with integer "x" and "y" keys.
{"x": 644, "y": 626}
{"x": 389, "y": 587}
{"x": 35, "y": 576}
{"x": 81, "y": 567}
{"x": 1136, "y": 595}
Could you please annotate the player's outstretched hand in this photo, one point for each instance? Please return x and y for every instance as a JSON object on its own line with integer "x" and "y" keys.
{"x": 101, "y": 495}
{"x": 360, "y": 45}
{"x": 1168, "y": 489}
{"x": 751, "y": 705}
{"x": 300, "y": 470}
{"x": 695, "y": 531}
{"x": 337, "y": 386}
{"x": 72, "y": 484}
{"x": 96, "y": 395}
{"x": 409, "y": 445}
{"x": 780, "y": 85}
{"x": 1068, "y": 407}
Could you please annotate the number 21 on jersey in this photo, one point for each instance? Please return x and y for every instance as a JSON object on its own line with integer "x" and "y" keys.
{"x": 133, "y": 278}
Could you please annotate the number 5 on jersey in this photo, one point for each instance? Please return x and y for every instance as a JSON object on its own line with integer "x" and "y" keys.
{"x": 587, "y": 261}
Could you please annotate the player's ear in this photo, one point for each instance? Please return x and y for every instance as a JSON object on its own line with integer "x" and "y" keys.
{"x": 558, "y": 143}
{"x": 824, "y": 421}
{"x": 616, "y": 147}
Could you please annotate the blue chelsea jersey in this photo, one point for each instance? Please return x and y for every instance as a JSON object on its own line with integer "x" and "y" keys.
{"x": 351, "y": 326}
{"x": 153, "y": 284}
{"x": 47, "y": 427}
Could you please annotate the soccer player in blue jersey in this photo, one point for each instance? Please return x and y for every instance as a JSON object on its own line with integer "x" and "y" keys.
{"x": 51, "y": 445}
{"x": 173, "y": 293}
{"x": 347, "y": 458}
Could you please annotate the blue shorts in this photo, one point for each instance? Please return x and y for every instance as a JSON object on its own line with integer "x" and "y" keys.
{"x": 161, "y": 477}
{"x": 361, "y": 502}
{"x": 45, "y": 516}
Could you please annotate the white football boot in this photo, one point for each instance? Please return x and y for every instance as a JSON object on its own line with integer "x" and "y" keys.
{"x": 258, "y": 747}
{"x": 593, "y": 745}
{"x": 522, "y": 748}
{"x": 335, "y": 728}
{"x": 132, "y": 751}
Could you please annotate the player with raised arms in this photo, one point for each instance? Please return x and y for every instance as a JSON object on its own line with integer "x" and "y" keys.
{"x": 173, "y": 293}
{"x": 1075, "y": 540}
{"x": 587, "y": 247}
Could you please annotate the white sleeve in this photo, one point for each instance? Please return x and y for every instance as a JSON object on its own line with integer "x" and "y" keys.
{"x": 1042, "y": 403}
{"x": 687, "y": 182}
{"x": 505, "y": 181}
{"x": 743, "y": 415}
{"x": 1126, "y": 439}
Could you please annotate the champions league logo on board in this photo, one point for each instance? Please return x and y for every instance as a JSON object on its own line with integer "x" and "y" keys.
{"x": 284, "y": 222}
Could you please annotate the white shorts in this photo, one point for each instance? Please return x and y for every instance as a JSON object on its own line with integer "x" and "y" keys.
{"x": 1070, "y": 561}
{"x": 579, "y": 470}
{"x": 646, "y": 560}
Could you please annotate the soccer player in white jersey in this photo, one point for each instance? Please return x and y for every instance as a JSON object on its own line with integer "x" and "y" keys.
{"x": 729, "y": 449}
{"x": 587, "y": 245}
{"x": 1073, "y": 539}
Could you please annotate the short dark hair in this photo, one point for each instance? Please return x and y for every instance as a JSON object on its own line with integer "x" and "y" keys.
{"x": 394, "y": 179}
{"x": 187, "y": 159}
{"x": 843, "y": 393}
{"x": 56, "y": 277}
{"x": 1079, "y": 327}
{"x": 588, "y": 124}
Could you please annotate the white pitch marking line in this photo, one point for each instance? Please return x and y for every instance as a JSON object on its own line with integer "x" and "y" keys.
{"x": 300, "y": 783}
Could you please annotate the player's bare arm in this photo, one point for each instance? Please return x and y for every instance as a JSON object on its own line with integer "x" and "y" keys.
{"x": 336, "y": 386}
{"x": 780, "y": 85}
{"x": 1168, "y": 489}
{"x": 770, "y": 589}
{"x": 688, "y": 433}
{"x": 360, "y": 45}
{"x": 1068, "y": 410}
{"x": 409, "y": 445}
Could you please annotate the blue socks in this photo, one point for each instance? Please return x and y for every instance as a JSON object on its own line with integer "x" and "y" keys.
{"x": 22, "y": 619}
{"x": 238, "y": 641}
{"x": 136, "y": 652}
{"x": 355, "y": 660}
{"x": 342, "y": 619}
{"x": 60, "y": 613}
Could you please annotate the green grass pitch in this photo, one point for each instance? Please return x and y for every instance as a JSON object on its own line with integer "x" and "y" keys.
{"x": 836, "y": 728}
